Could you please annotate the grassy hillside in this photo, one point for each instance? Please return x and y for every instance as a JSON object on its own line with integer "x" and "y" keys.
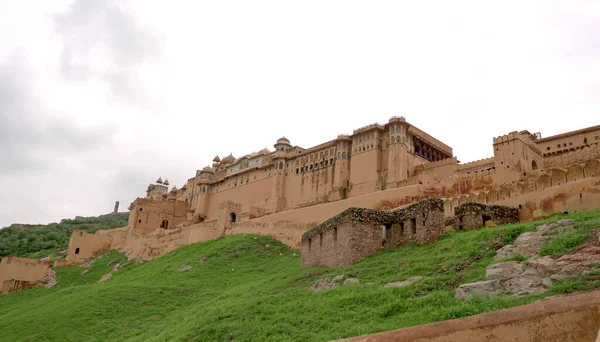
{"x": 239, "y": 290}
{"x": 43, "y": 240}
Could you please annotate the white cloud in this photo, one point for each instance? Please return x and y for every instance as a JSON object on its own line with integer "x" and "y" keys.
{"x": 114, "y": 94}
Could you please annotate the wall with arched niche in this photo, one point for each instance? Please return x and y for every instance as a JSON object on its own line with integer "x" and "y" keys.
{"x": 559, "y": 176}
{"x": 543, "y": 182}
{"x": 575, "y": 172}
{"x": 592, "y": 168}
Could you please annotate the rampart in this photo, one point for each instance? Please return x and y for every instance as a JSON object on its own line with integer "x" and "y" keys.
{"x": 356, "y": 233}
{"x": 21, "y": 273}
{"x": 573, "y": 318}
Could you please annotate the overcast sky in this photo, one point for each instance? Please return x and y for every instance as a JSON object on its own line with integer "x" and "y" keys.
{"x": 100, "y": 97}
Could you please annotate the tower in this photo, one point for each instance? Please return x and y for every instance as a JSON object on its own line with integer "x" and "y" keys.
{"x": 116, "y": 209}
{"x": 203, "y": 190}
{"x": 515, "y": 154}
{"x": 397, "y": 151}
{"x": 278, "y": 200}
{"x": 341, "y": 177}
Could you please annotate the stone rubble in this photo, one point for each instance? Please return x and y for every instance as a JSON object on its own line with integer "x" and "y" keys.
{"x": 537, "y": 274}
{"x": 402, "y": 283}
{"x": 184, "y": 267}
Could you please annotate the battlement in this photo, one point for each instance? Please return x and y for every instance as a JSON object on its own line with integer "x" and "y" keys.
{"x": 368, "y": 127}
{"x": 23, "y": 261}
{"x": 481, "y": 163}
{"x": 523, "y": 136}
{"x": 439, "y": 163}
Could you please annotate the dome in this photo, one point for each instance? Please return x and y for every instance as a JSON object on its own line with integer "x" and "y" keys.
{"x": 159, "y": 180}
{"x": 216, "y": 159}
{"x": 283, "y": 140}
{"x": 207, "y": 169}
{"x": 264, "y": 151}
{"x": 166, "y": 182}
{"x": 229, "y": 159}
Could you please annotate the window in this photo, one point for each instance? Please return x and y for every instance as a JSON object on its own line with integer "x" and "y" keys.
{"x": 334, "y": 234}
{"x": 413, "y": 225}
{"x": 309, "y": 244}
{"x": 77, "y": 250}
{"x": 321, "y": 240}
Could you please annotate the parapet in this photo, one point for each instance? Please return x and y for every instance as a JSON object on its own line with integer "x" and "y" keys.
{"x": 477, "y": 163}
{"x": 439, "y": 163}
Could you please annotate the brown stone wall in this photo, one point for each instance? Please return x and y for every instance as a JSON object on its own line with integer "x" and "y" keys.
{"x": 147, "y": 215}
{"x": 20, "y": 273}
{"x": 574, "y": 318}
{"x": 471, "y": 216}
{"x": 83, "y": 246}
{"x": 357, "y": 233}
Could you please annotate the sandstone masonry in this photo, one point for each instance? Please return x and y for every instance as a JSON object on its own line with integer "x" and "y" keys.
{"x": 357, "y": 233}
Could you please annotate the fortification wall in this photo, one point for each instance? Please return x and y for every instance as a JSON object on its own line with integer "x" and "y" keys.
{"x": 573, "y": 318}
{"x": 19, "y": 273}
{"x": 322, "y": 212}
{"x": 83, "y": 245}
{"x": 287, "y": 232}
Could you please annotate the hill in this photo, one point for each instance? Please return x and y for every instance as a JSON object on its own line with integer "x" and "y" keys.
{"x": 36, "y": 241}
{"x": 238, "y": 288}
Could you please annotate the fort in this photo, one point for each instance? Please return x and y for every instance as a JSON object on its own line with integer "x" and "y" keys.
{"x": 286, "y": 192}
{"x": 367, "y": 180}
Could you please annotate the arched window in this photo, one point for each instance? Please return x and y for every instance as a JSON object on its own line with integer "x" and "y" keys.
{"x": 343, "y": 155}
{"x": 77, "y": 250}
{"x": 232, "y": 217}
{"x": 165, "y": 224}
{"x": 534, "y": 165}
{"x": 281, "y": 165}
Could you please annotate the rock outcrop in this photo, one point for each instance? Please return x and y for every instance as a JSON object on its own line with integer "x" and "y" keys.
{"x": 536, "y": 274}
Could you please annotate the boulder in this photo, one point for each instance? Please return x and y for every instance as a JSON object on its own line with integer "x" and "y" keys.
{"x": 527, "y": 244}
{"x": 480, "y": 288}
{"x": 548, "y": 228}
{"x": 203, "y": 259}
{"x": 85, "y": 271}
{"x": 403, "y": 282}
{"x": 184, "y": 267}
{"x": 105, "y": 277}
{"x": 503, "y": 270}
{"x": 326, "y": 284}
{"x": 48, "y": 281}
{"x": 351, "y": 281}
{"x": 565, "y": 223}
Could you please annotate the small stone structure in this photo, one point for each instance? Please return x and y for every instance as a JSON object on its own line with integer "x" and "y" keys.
{"x": 471, "y": 216}
{"x": 17, "y": 274}
{"x": 356, "y": 233}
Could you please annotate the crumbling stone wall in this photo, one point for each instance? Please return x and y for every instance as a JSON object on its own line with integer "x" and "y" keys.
{"x": 471, "y": 216}
{"x": 357, "y": 232}
{"x": 21, "y": 273}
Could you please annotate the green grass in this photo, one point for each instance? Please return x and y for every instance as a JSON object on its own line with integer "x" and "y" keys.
{"x": 245, "y": 292}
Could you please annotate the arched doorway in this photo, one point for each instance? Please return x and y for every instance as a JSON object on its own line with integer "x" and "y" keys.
{"x": 232, "y": 217}
{"x": 77, "y": 250}
{"x": 165, "y": 224}
{"x": 534, "y": 165}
